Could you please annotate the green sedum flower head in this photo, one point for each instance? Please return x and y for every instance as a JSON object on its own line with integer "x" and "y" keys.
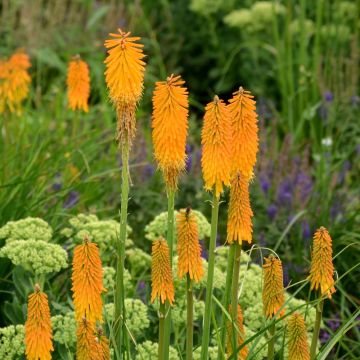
{"x": 12, "y": 342}
{"x": 26, "y": 229}
{"x": 149, "y": 351}
{"x": 64, "y": 329}
{"x": 36, "y": 256}
{"x": 109, "y": 275}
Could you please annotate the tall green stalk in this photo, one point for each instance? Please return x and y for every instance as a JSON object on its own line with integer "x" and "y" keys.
{"x": 315, "y": 337}
{"x": 226, "y": 296}
{"x": 119, "y": 319}
{"x": 234, "y": 296}
{"x": 210, "y": 278}
{"x": 190, "y": 319}
{"x": 271, "y": 343}
{"x": 162, "y": 332}
{"x": 170, "y": 241}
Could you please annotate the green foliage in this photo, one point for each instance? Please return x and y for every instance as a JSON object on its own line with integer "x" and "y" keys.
{"x": 12, "y": 342}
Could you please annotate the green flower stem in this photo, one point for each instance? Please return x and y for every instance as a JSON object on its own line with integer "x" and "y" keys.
{"x": 119, "y": 318}
{"x": 271, "y": 343}
{"x": 234, "y": 295}
{"x": 226, "y": 296}
{"x": 190, "y": 319}
{"x": 315, "y": 337}
{"x": 162, "y": 331}
{"x": 210, "y": 278}
{"x": 170, "y": 241}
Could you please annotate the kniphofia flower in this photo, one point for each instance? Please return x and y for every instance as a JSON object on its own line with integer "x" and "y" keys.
{"x": 14, "y": 81}
{"x": 243, "y": 116}
{"x": 100, "y": 347}
{"x": 188, "y": 246}
{"x": 273, "y": 287}
{"x": 297, "y": 338}
{"x": 161, "y": 276}
{"x": 322, "y": 268}
{"x": 78, "y": 84}
{"x": 216, "y": 142}
{"x": 243, "y": 353}
{"x": 85, "y": 340}
{"x": 170, "y": 124}
{"x": 38, "y": 333}
{"x": 125, "y": 77}
{"x": 87, "y": 282}
{"x": 239, "y": 225}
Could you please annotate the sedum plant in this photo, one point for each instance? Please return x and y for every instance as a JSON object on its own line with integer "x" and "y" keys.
{"x": 12, "y": 342}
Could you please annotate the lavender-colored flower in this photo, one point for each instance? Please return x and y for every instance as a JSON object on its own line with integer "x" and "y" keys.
{"x": 204, "y": 253}
{"x": 141, "y": 290}
{"x": 306, "y": 231}
{"x": 148, "y": 171}
{"x": 324, "y": 336}
{"x": 264, "y": 183}
{"x": 285, "y": 195}
{"x": 57, "y": 185}
{"x": 355, "y": 100}
{"x": 262, "y": 241}
{"x": 345, "y": 168}
{"x": 328, "y": 96}
{"x": 71, "y": 200}
{"x": 323, "y": 113}
{"x": 188, "y": 163}
{"x": 305, "y": 184}
{"x": 272, "y": 211}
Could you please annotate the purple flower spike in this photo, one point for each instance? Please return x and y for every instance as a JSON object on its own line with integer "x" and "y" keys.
{"x": 272, "y": 211}
{"x": 71, "y": 200}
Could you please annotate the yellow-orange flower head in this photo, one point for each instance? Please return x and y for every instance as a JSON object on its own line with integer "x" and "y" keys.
{"x": 298, "y": 343}
{"x": 216, "y": 142}
{"x": 87, "y": 282}
{"x": 239, "y": 226}
{"x": 188, "y": 246}
{"x": 243, "y": 116}
{"x": 273, "y": 287}
{"x": 100, "y": 349}
{"x": 38, "y": 333}
{"x": 243, "y": 353}
{"x": 78, "y": 83}
{"x": 14, "y": 81}
{"x": 125, "y": 77}
{"x": 170, "y": 124}
{"x": 86, "y": 341}
{"x": 322, "y": 268}
{"x": 161, "y": 276}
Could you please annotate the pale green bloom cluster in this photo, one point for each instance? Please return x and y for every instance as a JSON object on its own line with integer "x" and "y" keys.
{"x": 139, "y": 260}
{"x": 307, "y": 27}
{"x": 339, "y": 32}
{"x": 137, "y": 319}
{"x": 258, "y": 18}
{"x": 25, "y": 229}
{"x": 37, "y": 256}
{"x": 149, "y": 351}
{"x": 347, "y": 10}
{"x": 206, "y": 7}
{"x": 109, "y": 275}
{"x": 178, "y": 312}
{"x": 64, "y": 329}
{"x": 158, "y": 226}
{"x": 12, "y": 342}
{"x": 212, "y": 353}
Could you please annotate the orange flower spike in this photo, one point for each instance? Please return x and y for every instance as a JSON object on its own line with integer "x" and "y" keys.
{"x": 244, "y": 125}
{"x": 170, "y": 125}
{"x": 217, "y": 146}
{"x": 100, "y": 349}
{"x": 38, "y": 333}
{"x": 78, "y": 83}
{"x": 86, "y": 340}
{"x": 243, "y": 353}
{"x": 87, "y": 282}
{"x": 188, "y": 246}
{"x": 161, "y": 276}
{"x": 298, "y": 343}
{"x": 322, "y": 268}
{"x": 273, "y": 287}
{"x": 239, "y": 225}
{"x": 124, "y": 68}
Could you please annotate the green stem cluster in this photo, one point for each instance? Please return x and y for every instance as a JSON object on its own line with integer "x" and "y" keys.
{"x": 190, "y": 319}
{"x": 315, "y": 337}
{"x": 162, "y": 332}
{"x": 271, "y": 343}
{"x": 210, "y": 278}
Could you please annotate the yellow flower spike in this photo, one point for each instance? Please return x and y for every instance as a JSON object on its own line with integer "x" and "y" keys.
{"x": 78, "y": 84}
{"x": 38, "y": 333}
{"x": 273, "y": 287}
{"x": 87, "y": 282}
{"x": 243, "y": 353}
{"x": 298, "y": 343}
{"x": 161, "y": 276}
{"x": 188, "y": 246}
{"x": 243, "y": 116}
{"x": 322, "y": 268}
{"x": 239, "y": 225}
{"x": 100, "y": 349}
{"x": 216, "y": 142}
{"x": 86, "y": 341}
{"x": 170, "y": 125}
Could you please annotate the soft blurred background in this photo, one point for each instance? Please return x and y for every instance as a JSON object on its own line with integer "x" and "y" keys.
{"x": 300, "y": 58}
